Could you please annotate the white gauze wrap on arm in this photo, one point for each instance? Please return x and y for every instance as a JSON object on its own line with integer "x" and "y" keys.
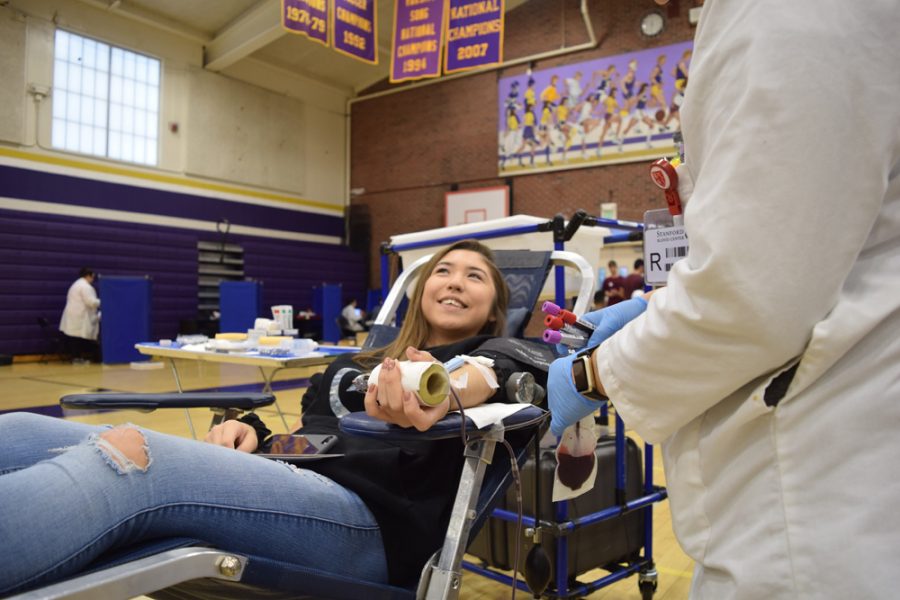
{"x": 482, "y": 364}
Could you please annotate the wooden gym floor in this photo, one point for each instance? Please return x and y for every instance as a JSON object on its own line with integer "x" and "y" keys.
{"x": 37, "y": 386}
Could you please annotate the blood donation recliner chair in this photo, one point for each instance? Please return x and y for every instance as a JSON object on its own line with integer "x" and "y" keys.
{"x": 196, "y": 571}
{"x": 181, "y": 568}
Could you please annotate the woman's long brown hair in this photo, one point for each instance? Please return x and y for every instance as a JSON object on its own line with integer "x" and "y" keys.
{"x": 416, "y": 330}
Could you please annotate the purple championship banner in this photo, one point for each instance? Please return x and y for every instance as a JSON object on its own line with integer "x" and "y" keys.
{"x": 353, "y": 22}
{"x": 608, "y": 110}
{"x": 418, "y": 39}
{"x": 306, "y": 17}
{"x": 474, "y": 34}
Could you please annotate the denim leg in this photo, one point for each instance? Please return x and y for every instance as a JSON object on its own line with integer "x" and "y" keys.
{"x": 27, "y": 438}
{"x": 60, "y": 514}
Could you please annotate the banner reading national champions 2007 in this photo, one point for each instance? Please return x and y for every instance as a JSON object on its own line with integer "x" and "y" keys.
{"x": 607, "y": 110}
{"x": 474, "y": 34}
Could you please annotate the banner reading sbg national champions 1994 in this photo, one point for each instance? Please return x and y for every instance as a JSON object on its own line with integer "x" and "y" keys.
{"x": 418, "y": 39}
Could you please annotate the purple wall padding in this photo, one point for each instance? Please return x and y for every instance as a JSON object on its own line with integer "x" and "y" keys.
{"x": 289, "y": 270}
{"x": 40, "y": 186}
{"x": 40, "y": 255}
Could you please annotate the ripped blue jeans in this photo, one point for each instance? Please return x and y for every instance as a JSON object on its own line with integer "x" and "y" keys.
{"x": 67, "y": 495}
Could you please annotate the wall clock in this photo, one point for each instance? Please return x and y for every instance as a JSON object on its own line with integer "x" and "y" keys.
{"x": 652, "y": 24}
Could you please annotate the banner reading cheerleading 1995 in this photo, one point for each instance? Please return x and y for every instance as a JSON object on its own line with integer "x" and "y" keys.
{"x": 418, "y": 39}
{"x": 354, "y": 25}
{"x": 306, "y": 17}
{"x": 474, "y": 34}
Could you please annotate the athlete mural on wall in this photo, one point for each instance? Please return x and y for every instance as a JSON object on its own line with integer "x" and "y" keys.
{"x": 608, "y": 110}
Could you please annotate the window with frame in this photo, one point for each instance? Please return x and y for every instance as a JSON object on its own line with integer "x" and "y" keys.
{"x": 105, "y": 100}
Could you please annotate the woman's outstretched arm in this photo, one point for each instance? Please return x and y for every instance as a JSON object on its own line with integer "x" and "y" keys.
{"x": 389, "y": 402}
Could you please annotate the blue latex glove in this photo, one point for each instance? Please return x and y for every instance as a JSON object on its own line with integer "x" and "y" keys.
{"x": 567, "y": 406}
{"x": 609, "y": 320}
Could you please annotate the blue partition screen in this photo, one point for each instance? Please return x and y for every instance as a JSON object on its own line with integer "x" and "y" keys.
{"x": 125, "y": 317}
{"x": 373, "y": 301}
{"x": 329, "y": 299}
{"x": 240, "y": 303}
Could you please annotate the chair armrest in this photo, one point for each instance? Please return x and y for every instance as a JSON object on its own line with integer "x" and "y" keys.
{"x": 151, "y": 402}
{"x": 361, "y": 424}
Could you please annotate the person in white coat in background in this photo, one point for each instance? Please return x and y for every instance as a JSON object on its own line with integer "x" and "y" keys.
{"x": 81, "y": 319}
{"x": 776, "y": 391}
{"x": 353, "y": 317}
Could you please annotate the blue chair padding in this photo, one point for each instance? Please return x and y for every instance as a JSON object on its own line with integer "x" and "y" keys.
{"x": 271, "y": 578}
{"x": 525, "y": 272}
{"x": 150, "y": 402}
{"x": 380, "y": 336}
{"x": 516, "y": 318}
{"x": 142, "y": 550}
{"x": 302, "y": 582}
{"x": 362, "y": 424}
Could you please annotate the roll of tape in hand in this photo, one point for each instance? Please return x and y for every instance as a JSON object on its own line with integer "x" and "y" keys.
{"x": 429, "y": 381}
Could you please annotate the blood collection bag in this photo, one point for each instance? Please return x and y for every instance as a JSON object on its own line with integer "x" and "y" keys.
{"x": 576, "y": 463}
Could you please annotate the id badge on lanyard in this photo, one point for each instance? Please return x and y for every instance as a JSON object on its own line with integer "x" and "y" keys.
{"x": 665, "y": 240}
{"x": 664, "y": 244}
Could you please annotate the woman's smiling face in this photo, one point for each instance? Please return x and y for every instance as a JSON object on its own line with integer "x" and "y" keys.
{"x": 458, "y": 297}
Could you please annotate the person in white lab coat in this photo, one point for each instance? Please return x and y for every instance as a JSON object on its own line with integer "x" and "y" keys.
{"x": 353, "y": 316}
{"x": 776, "y": 391}
{"x": 81, "y": 319}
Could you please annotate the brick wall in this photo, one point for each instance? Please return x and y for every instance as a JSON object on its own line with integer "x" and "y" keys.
{"x": 409, "y": 148}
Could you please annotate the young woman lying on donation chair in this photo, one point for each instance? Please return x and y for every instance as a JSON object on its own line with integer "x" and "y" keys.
{"x": 72, "y": 492}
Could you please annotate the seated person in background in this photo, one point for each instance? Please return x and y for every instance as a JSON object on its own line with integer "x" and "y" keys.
{"x": 634, "y": 282}
{"x": 612, "y": 286}
{"x": 80, "y": 321}
{"x": 599, "y": 300}
{"x": 353, "y": 316}
{"x": 376, "y": 514}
